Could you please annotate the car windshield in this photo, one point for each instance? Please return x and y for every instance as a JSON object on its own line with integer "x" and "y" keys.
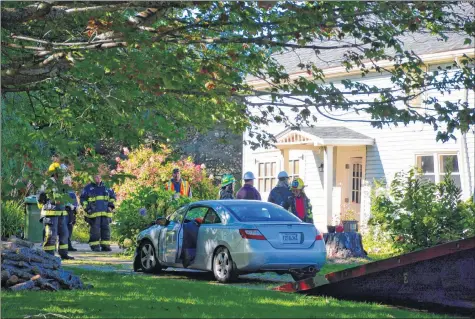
{"x": 260, "y": 212}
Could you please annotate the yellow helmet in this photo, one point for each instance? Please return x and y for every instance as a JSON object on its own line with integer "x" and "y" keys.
{"x": 53, "y": 167}
{"x": 297, "y": 183}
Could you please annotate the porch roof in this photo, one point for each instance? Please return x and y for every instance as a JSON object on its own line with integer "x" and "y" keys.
{"x": 321, "y": 136}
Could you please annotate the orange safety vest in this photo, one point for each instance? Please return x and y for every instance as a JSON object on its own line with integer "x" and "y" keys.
{"x": 184, "y": 187}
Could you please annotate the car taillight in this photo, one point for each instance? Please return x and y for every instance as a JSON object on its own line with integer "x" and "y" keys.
{"x": 251, "y": 234}
{"x": 319, "y": 237}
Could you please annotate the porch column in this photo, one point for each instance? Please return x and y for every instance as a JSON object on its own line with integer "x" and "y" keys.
{"x": 328, "y": 183}
{"x": 285, "y": 154}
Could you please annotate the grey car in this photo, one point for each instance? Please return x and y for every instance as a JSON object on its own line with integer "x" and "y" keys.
{"x": 232, "y": 237}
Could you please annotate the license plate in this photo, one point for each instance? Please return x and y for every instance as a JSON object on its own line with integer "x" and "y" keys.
{"x": 291, "y": 238}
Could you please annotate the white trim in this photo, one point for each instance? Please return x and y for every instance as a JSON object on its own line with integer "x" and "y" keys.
{"x": 345, "y": 141}
{"x": 310, "y": 137}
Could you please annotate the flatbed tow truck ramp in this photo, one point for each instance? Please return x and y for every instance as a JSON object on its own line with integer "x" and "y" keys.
{"x": 439, "y": 278}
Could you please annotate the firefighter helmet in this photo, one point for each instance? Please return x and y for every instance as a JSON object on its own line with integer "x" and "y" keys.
{"x": 297, "y": 183}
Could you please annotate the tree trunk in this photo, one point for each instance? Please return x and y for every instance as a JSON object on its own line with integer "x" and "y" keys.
{"x": 344, "y": 245}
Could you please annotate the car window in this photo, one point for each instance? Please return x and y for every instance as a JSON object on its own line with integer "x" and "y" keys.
{"x": 177, "y": 216}
{"x": 212, "y": 218}
{"x": 196, "y": 212}
{"x": 260, "y": 211}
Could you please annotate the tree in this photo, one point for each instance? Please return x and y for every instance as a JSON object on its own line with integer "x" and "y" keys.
{"x": 83, "y": 72}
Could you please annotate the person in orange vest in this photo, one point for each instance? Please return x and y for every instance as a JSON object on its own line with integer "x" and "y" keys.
{"x": 177, "y": 184}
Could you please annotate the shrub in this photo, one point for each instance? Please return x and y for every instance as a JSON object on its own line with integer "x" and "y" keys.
{"x": 141, "y": 208}
{"x": 151, "y": 169}
{"x": 416, "y": 213}
{"x": 13, "y": 218}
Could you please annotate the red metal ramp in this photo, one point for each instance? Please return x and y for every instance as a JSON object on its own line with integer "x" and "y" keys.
{"x": 437, "y": 278}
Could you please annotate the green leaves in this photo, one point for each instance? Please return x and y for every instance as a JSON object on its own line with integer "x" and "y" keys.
{"x": 416, "y": 213}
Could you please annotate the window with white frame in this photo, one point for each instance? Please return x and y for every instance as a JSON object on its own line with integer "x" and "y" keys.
{"x": 294, "y": 169}
{"x": 266, "y": 176}
{"x": 434, "y": 166}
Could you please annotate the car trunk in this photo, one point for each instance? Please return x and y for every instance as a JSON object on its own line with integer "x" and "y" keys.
{"x": 288, "y": 235}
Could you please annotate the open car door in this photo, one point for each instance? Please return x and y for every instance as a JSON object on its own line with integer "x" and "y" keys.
{"x": 188, "y": 235}
{"x": 170, "y": 235}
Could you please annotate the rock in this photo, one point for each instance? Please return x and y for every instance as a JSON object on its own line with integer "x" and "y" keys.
{"x": 13, "y": 280}
{"x": 27, "y": 268}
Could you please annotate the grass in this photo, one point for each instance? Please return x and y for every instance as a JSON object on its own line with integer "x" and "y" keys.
{"x": 125, "y": 296}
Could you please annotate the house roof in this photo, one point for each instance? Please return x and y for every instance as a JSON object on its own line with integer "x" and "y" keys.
{"x": 323, "y": 135}
{"x": 420, "y": 43}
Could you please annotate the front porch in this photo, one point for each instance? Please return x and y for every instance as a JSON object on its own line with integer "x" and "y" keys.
{"x": 340, "y": 159}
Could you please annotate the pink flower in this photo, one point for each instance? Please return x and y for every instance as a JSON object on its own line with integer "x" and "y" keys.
{"x": 203, "y": 166}
{"x": 113, "y": 172}
{"x": 126, "y": 151}
{"x": 117, "y": 159}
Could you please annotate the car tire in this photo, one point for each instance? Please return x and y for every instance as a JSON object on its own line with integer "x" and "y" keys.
{"x": 298, "y": 277}
{"x": 224, "y": 269}
{"x": 148, "y": 258}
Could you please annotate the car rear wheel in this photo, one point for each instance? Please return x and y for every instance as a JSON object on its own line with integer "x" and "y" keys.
{"x": 148, "y": 258}
{"x": 224, "y": 269}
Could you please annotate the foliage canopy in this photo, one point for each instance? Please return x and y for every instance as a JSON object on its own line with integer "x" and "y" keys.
{"x": 74, "y": 73}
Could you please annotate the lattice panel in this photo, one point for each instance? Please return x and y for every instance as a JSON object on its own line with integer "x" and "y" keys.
{"x": 294, "y": 138}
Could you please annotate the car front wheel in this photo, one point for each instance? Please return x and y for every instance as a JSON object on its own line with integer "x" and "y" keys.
{"x": 224, "y": 268}
{"x": 148, "y": 258}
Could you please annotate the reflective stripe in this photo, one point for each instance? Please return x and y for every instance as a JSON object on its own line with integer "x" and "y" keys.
{"x": 105, "y": 242}
{"x": 100, "y": 214}
{"x": 93, "y": 199}
{"x": 94, "y": 243}
{"x": 111, "y": 200}
{"x": 85, "y": 203}
{"x": 40, "y": 206}
{"x": 65, "y": 246}
{"x": 50, "y": 247}
{"x": 52, "y": 213}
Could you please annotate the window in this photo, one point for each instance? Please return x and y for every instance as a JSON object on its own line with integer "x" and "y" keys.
{"x": 450, "y": 163}
{"x": 356, "y": 178}
{"x": 260, "y": 211}
{"x": 294, "y": 169}
{"x": 266, "y": 176}
{"x": 196, "y": 212}
{"x": 212, "y": 218}
{"x": 177, "y": 216}
{"x": 434, "y": 167}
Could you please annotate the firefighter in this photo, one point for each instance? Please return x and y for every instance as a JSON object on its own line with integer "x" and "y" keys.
{"x": 299, "y": 203}
{"x": 98, "y": 202}
{"x": 281, "y": 193}
{"x": 51, "y": 200}
{"x": 178, "y": 185}
{"x": 248, "y": 191}
{"x": 227, "y": 187}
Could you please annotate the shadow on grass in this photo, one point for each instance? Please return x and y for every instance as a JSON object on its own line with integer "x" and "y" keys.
{"x": 125, "y": 296}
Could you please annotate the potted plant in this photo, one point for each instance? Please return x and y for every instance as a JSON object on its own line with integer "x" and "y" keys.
{"x": 350, "y": 223}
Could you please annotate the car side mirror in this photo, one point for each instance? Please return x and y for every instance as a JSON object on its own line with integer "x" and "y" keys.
{"x": 162, "y": 221}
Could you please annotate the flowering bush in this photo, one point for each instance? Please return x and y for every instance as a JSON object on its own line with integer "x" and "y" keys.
{"x": 140, "y": 209}
{"x": 152, "y": 169}
{"x": 141, "y": 200}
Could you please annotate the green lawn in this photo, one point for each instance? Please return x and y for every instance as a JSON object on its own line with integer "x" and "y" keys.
{"x": 125, "y": 296}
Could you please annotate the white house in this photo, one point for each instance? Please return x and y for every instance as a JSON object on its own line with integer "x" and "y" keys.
{"x": 339, "y": 160}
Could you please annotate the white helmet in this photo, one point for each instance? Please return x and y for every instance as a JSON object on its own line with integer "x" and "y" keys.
{"x": 248, "y": 176}
{"x": 283, "y": 174}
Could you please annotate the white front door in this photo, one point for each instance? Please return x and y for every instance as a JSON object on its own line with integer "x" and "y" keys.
{"x": 354, "y": 184}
